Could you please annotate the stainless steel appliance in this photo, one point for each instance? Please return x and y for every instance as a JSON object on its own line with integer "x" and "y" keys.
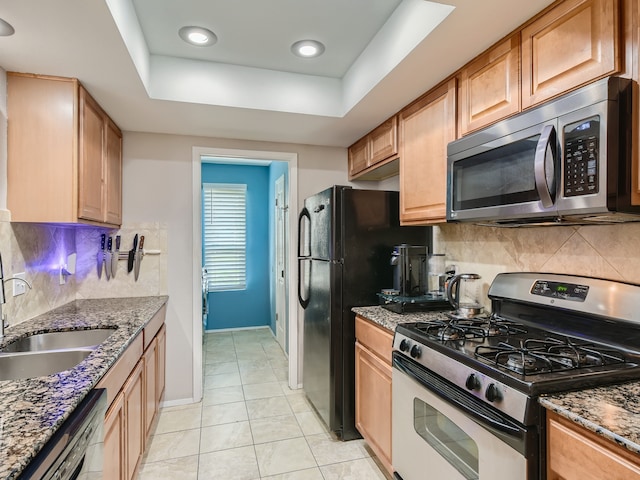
{"x": 345, "y": 241}
{"x": 409, "y": 263}
{"x": 568, "y": 160}
{"x": 75, "y": 452}
{"x": 465, "y": 390}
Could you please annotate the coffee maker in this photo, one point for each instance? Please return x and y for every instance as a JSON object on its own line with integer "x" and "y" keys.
{"x": 410, "y": 290}
{"x": 410, "y": 269}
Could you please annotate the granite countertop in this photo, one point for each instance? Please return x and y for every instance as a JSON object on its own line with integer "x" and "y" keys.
{"x": 612, "y": 411}
{"x": 390, "y": 320}
{"x": 31, "y": 410}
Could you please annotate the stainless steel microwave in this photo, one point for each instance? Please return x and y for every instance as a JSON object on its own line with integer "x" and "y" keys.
{"x": 566, "y": 161}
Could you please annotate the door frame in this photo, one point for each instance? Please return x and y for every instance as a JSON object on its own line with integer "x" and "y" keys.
{"x": 281, "y": 243}
{"x": 292, "y": 193}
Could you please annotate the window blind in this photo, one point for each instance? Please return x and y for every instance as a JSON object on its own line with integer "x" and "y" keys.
{"x": 224, "y": 230}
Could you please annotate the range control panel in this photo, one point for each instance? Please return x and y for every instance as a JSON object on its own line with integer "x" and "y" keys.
{"x": 580, "y": 170}
{"x": 565, "y": 291}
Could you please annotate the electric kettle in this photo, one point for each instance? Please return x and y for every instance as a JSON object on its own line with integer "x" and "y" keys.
{"x": 463, "y": 292}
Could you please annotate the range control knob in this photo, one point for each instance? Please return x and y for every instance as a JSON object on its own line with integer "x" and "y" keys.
{"x": 404, "y": 345}
{"x": 493, "y": 393}
{"x": 415, "y": 351}
{"x": 472, "y": 382}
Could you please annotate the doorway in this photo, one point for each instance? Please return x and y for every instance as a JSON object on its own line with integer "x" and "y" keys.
{"x": 284, "y": 294}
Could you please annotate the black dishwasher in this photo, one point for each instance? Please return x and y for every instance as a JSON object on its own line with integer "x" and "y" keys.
{"x": 75, "y": 451}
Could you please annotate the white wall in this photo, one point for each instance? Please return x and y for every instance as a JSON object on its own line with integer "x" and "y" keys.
{"x": 157, "y": 186}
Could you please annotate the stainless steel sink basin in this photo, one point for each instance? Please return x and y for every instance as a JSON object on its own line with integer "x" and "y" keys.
{"x": 14, "y": 366}
{"x": 59, "y": 340}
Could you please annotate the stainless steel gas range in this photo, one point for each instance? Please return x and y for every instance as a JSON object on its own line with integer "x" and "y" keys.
{"x": 465, "y": 389}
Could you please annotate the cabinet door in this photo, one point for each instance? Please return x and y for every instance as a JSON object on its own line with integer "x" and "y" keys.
{"x": 134, "y": 420}
{"x": 426, "y": 127}
{"x": 113, "y": 184}
{"x": 358, "y": 156}
{"x": 90, "y": 164}
{"x": 572, "y": 44}
{"x": 162, "y": 359}
{"x": 490, "y": 86}
{"x": 373, "y": 403}
{"x": 114, "y": 441}
{"x": 150, "y": 380}
{"x": 574, "y": 453}
{"x": 383, "y": 141}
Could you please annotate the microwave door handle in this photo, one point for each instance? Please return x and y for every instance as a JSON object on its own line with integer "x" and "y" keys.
{"x": 544, "y": 160}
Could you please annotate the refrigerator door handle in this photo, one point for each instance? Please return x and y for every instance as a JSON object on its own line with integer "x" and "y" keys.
{"x": 303, "y": 214}
{"x": 303, "y": 255}
{"x": 304, "y": 302}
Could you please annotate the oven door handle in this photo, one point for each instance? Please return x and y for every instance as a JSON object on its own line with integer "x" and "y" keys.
{"x": 467, "y": 403}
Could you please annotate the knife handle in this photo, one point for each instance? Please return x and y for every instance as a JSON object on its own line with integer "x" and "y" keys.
{"x": 135, "y": 243}
{"x": 109, "y": 243}
{"x": 103, "y": 237}
{"x": 141, "y": 243}
{"x": 117, "y": 243}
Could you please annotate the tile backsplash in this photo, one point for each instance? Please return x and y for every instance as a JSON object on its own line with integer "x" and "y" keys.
{"x": 605, "y": 251}
{"x": 40, "y": 249}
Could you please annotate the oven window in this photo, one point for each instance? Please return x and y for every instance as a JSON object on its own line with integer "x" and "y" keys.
{"x": 453, "y": 444}
{"x": 501, "y": 176}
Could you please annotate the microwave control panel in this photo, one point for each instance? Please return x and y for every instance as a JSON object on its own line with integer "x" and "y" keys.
{"x": 580, "y": 170}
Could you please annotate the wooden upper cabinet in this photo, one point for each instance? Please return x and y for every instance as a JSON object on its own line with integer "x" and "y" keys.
{"x": 426, "y": 128}
{"x": 572, "y": 44}
{"x": 358, "y": 157}
{"x": 490, "y": 86}
{"x": 64, "y": 154}
{"x": 370, "y": 158}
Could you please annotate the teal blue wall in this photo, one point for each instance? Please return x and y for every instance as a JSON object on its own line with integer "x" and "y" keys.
{"x": 251, "y": 307}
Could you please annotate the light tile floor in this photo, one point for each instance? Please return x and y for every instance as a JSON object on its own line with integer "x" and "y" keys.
{"x": 250, "y": 425}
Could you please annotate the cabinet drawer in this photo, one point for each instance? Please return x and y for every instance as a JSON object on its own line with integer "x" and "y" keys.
{"x": 116, "y": 376}
{"x": 154, "y": 325}
{"x": 376, "y": 338}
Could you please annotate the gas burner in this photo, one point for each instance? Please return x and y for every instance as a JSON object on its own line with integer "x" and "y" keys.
{"x": 535, "y": 356}
{"x": 582, "y": 354}
{"x": 519, "y": 363}
{"x": 456, "y": 328}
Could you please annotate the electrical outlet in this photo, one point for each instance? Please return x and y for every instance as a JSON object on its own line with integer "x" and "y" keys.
{"x": 19, "y": 288}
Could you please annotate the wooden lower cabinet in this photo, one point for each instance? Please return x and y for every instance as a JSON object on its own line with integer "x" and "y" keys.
{"x": 373, "y": 388}
{"x": 162, "y": 364}
{"x": 114, "y": 448}
{"x": 134, "y": 420}
{"x": 150, "y": 383}
{"x": 575, "y": 453}
{"x": 135, "y": 386}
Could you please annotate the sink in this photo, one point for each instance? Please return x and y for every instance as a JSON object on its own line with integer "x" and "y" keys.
{"x": 14, "y": 366}
{"x": 59, "y": 340}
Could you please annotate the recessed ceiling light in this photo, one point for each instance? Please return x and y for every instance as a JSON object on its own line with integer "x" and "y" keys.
{"x": 5, "y": 28}
{"x": 307, "y": 48}
{"x": 201, "y": 37}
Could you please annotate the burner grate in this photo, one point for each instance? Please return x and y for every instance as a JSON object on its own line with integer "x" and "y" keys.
{"x": 535, "y": 356}
{"x": 455, "y": 328}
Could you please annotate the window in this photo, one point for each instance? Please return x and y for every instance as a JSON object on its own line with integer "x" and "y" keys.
{"x": 224, "y": 229}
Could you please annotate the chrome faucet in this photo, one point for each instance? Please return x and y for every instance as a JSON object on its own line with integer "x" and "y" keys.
{"x": 3, "y": 298}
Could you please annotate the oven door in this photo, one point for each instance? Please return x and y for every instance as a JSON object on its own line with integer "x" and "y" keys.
{"x": 444, "y": 432}
{"x": 497, "y": 177}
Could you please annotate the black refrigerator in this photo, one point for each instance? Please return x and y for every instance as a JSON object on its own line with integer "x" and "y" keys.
{"x": 345, "y": 240}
